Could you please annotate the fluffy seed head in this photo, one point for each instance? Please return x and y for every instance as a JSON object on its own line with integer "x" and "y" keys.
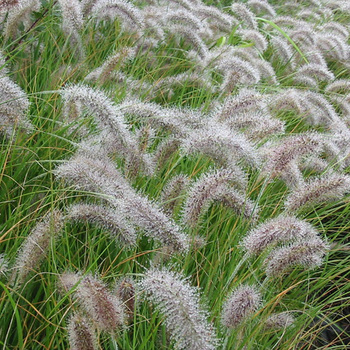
{"x": 289, "y": 149}
{"x": 20, "y": 13}
{"x": 14, "y": 106}
{"x": 37, "y": 244}
{"x": 3, "y": 264}
{"x": 326, "y": 188}
{"x": 105, "y": 217}
{"x": 173, "y": 191}
{"x": 104, "y": 308}
{"x": 81, "y": 334}
{"x": 206, "y": 189}
{"x": 241, "y": 303}
{"x": 308, "y": 254}
{"x": 284, "y": 228}
{"x": 125, "y": 291}
{"x": 223, "y": 145}
{"x": 242, "y": 12}
{"x": 131, "y": 17}
{"x": 179, "y": 303}
{"x": 155, "y": 223}
{"x": 278, "y": 321}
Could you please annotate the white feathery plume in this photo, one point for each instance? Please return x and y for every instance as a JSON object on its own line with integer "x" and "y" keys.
{"x": 116, "y": 59}
{"x": 340, "y": 86}
{"x": 281, "y": 320}
{"x": 303, "y": 37}
{"x": 72, "y": 22}
{"x": 237, "y": 72}
{"x": 283, "y": 51}
{"x": 216, "y": 185}
{"x": 321, "y": 112}
{"x": 131, "y": 17}
{"x": 332, "y": 46}
{"x": 18, "y": 14}
{"x": 100, "y": 106}
{"x": 255, "y": 36}
{"x": 308, "y": 254}
{"x": 184, "y": 17}
{"x": 82, "y": 335}
{"x": 265, "y": 70}
{"x": 291, "y": 100}
{"x": 94, "y": 173}
{"x": 178, "y": 120}
{"x": 217, "y": 19}
{"x": 6, "y": 5}
{"x": 109, "y": 116}
{"x": 105, "y": 217}
{"x": 185, "y": 320}
{"x": 262, "y": 6}
{"x": 289, "y": 23}
{"x": 3, "y": 69}
{"x": 191, "y": 37}
{"x": 337, "y": 29}
{"x": 173, "y": 192}
{"x": 309, "y": 15}
{"x": 4, "y": 264}
{"x": 282, "y": 229}
{"x": 247, "y": 100}
{"x": 224, "y": 146}
{"x": 166, "y": 149}
{"x": 317, "y": 190}
{"x": 182, "y": 3}
{"x": 244, "y": 15}
{"x": 13, "y": 107}
{"x": 98, "y": 174}
{"x": 125, "y": 291}
{"x": 188, "y": 78}
{"x": 287, "y": 150}
{"x": 36, "y": 245}
{"x": 102, "y": 307}
{"x": 256, "y": 125}
{"x": 156, "y": 224}
{"x": 240, "y": 304}
{"x": 86, "y": 6}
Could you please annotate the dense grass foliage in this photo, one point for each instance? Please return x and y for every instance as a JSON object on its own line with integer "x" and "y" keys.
{"x": 174, "y": 174}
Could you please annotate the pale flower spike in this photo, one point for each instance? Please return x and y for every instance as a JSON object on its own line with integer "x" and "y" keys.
{"x": 241, "y": 303}
{"x": 185, "y": 320}
{"x": 81, "y": 334}
{"x": 103, "y": 308}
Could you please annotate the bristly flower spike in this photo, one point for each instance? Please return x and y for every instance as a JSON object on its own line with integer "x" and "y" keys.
{"x": 284, "y": 228}
{"x": 131, "y": 17}
{"x": 19, "y": 14}
{"x": 279, "y": 321}
{"x": 224, "y": 146}
{"x": 103, "y": 109}
{"x": 326, "y": 188}
{"x": 242, "y": 12}
{"x": 87, "y": 172}
{"x": 173, "y": 192}
{"x": 214, "y": 186}
{"x": 105, "y": 217}
{"x": 37, "y": 244}
{"x": 81, "y": 333}
{"x": 262, "y": 6}
{"x": 308, "y": 253}
{"x": 72, "y": 23}
{"x": 13, "y": 106}
{"x": 104, "y": 308}
{"x": 179, "y": 303}
{"x": 241, "y": 303}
